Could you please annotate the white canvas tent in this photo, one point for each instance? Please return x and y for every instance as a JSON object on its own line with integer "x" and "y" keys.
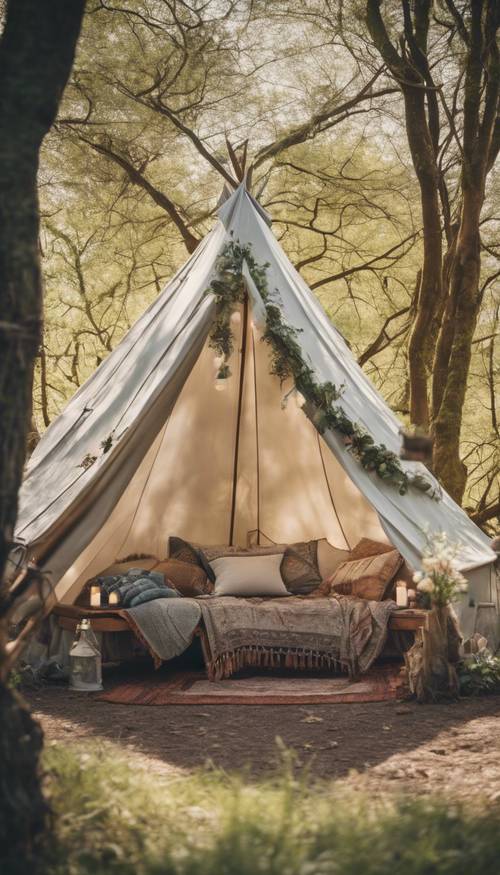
{"x": 185, "y": 458}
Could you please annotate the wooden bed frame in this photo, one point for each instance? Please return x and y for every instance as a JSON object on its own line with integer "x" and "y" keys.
{"x": 112, "y": 620}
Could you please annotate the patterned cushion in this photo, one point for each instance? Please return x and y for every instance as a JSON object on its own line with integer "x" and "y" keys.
{"x": 299, "y": 568}
{"x": 183, "y": 550}
{"x": 368, "y": 547}
{"x": 188, "y": 579}
{"x": 367, "y": 578}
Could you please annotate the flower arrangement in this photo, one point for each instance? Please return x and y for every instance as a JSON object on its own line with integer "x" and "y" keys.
{"x": 440, "y": 580}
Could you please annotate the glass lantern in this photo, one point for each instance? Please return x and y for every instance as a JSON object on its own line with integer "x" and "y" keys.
{"x": 85, "y": 667}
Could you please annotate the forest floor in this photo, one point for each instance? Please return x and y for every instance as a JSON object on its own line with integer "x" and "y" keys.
{"x": 450, "y": 749}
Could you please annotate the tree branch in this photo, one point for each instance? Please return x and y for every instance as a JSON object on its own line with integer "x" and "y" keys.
{"x": 137, "y": 178}
{"x": 328, "y": 113}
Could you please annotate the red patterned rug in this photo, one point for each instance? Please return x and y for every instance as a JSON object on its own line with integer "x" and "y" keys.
{"x": 192, "y": 688}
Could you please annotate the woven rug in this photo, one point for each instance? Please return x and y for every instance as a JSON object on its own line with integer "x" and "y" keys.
{"x": 381, "y": 683}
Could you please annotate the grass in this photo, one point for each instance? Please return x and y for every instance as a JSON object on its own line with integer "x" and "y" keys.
{"x": 111, "y": 819}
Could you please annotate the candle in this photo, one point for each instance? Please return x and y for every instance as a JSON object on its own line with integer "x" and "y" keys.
{"x": 113, "y": 598}
{"x": 401, "y": 594}
{"x": 95, "y": 596}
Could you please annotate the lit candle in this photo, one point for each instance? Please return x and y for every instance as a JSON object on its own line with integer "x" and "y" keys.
{"x": 95, "y": 596}
{"x": 113, "y": 598}
{"x": 401, "y": 594}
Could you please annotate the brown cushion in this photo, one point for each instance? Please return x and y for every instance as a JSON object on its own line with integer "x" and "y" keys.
{"x": 368, "y": 547}
{"x": 367, "y": 578}
{"x": 299, "y": 568}
{"x": 186, "y": 578}
{"x": 330, "y": 557}
{"x": 184, "y": 551}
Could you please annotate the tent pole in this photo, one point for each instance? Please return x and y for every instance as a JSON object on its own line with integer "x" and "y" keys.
{"x": 243, "y": 349}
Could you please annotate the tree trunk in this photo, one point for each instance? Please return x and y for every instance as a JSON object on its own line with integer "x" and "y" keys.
{"x": 453, "y": 352}
{"x": 480, "y": 146}
{"x": 36, "y": 54}
{"x": 423, "y": 333}
{"x": 422, "y": 129}
{"x": 23, "y": 809}
{"x": 430, "y": 663}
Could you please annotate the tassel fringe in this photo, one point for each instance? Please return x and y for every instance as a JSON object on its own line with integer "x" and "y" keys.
{"x": 227, "y": 664}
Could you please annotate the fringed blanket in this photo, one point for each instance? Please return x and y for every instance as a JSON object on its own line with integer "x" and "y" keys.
{"x": 166, "y": 626}
{"x": 337, "y": 633}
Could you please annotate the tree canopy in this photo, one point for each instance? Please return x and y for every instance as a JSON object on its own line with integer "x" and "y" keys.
{"x": 369, "y": 125}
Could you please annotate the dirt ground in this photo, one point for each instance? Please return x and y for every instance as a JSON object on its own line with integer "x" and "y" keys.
{"x": 447, "y": 748}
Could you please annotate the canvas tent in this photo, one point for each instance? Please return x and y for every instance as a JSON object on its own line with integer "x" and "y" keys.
{"x": 153, "y": 444}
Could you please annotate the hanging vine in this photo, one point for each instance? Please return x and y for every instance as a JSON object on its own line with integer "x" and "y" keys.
{"x": 287, "y": 362}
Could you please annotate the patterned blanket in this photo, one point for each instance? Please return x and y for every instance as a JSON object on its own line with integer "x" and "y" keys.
{"x": 338, "y": 633}
{"x": 165, "y": 626}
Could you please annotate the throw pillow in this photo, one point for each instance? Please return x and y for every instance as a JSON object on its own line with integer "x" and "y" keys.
{"x": 330, "y": 557}
{"x": 217, "y": 551}
{"x": 188, "y": 579}
{"x": 183, "y": 550}
{"x": 248, "y": 576}
{"x": 299, "y": 568}
{"x": 368, "y": 547}
{"x": 367, "y": 578}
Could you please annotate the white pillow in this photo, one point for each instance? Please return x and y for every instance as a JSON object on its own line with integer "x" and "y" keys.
{"x": 249, "y": 575}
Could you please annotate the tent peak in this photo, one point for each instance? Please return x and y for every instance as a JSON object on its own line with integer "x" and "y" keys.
{"x": 241, "y": 198}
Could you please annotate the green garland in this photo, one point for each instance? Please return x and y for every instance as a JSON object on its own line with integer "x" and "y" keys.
{"x": 287, "y": 362}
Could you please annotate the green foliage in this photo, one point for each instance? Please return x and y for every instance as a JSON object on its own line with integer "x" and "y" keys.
{"x": 287, "y": 362}
{"x": 479, "y": 675}
{"x": 15, "y": 679}
{"x": 111, "y": 819}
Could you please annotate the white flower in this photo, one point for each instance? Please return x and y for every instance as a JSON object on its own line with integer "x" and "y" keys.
{"x": 425, "y": 585}
{"x": 428, "y": 563}
{"x": 418, "y": 576}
